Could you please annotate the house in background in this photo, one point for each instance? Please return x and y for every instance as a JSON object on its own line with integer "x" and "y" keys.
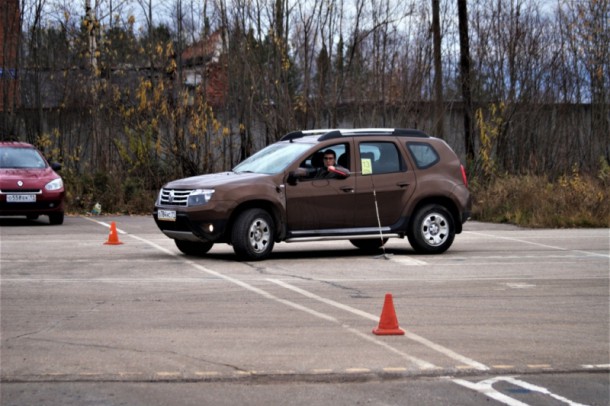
{"x": 203, "y": 69}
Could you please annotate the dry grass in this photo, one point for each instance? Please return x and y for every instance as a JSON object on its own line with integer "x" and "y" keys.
{"x": 534, "y": 201}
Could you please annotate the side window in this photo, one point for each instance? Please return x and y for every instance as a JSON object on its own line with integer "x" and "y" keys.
{"x": 315, "y": 161}
{"x": 424, "y": 155}
{"x": 380, "y": 157}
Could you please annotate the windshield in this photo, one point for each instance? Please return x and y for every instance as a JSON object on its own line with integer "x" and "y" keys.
{"x": 273, "y": 159}
{"x": 20, "y": 158}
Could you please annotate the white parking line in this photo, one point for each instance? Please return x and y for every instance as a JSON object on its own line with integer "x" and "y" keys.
{"x": 118, "y": 230}
{"x": 537, "y": 244}
{"x": 486, "y": 388}
{"x": 408, "y": 261}
{"x": 436, "y": 347}
{"x": 596, "y": 366}
{"x": 418, "y": 362}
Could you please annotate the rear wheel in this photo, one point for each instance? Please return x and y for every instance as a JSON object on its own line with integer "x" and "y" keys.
{"x": 252, "y": 234}
{"x": 369, "y": 244}
{"x": 194, "y": 248}
{"x": 432, "y": 230}
{"x": 56, "y": 218}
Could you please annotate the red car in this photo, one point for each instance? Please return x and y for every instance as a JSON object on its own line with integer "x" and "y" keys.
{"x": 29, "y": 185}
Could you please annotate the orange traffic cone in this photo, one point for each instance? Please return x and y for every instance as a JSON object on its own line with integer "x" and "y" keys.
{"x": 113, "y": 237}
{"x": 388, "y": 323}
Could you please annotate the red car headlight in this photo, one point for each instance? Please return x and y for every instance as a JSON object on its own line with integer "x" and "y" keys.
{"x": 56, "y": 184}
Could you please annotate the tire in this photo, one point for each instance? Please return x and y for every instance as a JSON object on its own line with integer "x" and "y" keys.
{"x": 369, "y": 244}
{"x": 432, "y": 230}
{"x": 56, "y": 218}
{"x": 252, "y": 235}
{"x": 194, "y": 248}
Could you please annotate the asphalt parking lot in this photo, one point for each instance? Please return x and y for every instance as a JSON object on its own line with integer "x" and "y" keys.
{"x": 507, "y": 315}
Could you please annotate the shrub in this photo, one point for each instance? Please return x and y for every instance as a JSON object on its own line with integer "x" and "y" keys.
{"x": 573, "y": 200}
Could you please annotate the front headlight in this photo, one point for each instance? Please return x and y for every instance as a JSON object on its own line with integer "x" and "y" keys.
{"x": 56, "y": 184}
{"x": 200, "y": 196}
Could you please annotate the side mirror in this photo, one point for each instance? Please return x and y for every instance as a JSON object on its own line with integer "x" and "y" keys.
{"x": 56, "y": 166}
{"x": 294, "y": 176}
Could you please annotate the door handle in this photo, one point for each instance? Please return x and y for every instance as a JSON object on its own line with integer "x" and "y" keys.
{"x": 403, "y": 184}
{"x": 347, "y": 189}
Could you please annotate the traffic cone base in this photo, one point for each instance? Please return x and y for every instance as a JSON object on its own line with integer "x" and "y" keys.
{"x": 113, "y": 237}
{"x": 388, "y": 323}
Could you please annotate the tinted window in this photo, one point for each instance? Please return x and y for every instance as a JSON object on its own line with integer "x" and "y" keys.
{"x": 424, "y": 155}
{"x": 384, "y": 157}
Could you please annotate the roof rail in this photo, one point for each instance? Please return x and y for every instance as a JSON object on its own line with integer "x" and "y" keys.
{"x": 399, "y": 132}
{"x": 409, "y": 132}
{"x": 300, "y": 134}
{"x": 327, "y": 134}
{"x": 291, "y": 136}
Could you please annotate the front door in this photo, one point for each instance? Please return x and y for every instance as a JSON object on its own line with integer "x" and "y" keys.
{"x": 322, "y": 203}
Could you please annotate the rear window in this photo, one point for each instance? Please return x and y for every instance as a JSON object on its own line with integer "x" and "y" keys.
{"x": 423, "y": 154}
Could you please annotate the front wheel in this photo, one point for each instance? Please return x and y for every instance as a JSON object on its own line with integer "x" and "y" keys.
{"x": 194, "y": 248}
{"x": 252, "y": 235}
{"x": 432, "y": 230}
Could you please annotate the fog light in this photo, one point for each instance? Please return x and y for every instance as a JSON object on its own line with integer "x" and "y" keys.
{"x": 211, "y": 228}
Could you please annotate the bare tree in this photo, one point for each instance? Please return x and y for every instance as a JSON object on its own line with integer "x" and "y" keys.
{"x": 10, "y": 26}
{"x": 439, "y": 111}
{"x": 466, "y": 78}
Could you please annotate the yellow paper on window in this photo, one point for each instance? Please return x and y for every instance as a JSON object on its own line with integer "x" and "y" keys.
{"x": 367, "y": 168}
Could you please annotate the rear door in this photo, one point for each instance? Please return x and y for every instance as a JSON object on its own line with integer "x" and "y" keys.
{"x": 384, "y": 183}
{"x": 322, "y": 204}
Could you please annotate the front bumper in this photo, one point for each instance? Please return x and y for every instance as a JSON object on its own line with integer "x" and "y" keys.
{"x": 47, "y": 206}
{"x": 191, "y": 226}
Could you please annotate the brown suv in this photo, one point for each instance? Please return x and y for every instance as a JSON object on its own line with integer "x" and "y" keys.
{"x": 387, "y": 183}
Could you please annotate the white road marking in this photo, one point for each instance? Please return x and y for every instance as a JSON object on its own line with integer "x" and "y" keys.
{"x": 420, "y": 363}
{"x": 486, "y": 388}
{"x": 438, "y": 348}
{"x": 538, "y": 244}
{"x": 484, "y": 385}
{"x": 520, "y": 285}
{"x": 596, "y": 366}
{"x": 408, "y": 261}
{"x": 118, "y": 230}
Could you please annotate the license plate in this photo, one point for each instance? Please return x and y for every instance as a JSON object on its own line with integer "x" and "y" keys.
{"x": 166, "y": 215}
{"x": 21, "y": 198}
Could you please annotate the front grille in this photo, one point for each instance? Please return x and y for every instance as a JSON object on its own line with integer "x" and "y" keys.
{"x": 175, "y": 197}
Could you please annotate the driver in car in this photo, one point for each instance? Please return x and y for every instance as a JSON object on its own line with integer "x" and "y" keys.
{"x": 331, "y": 170}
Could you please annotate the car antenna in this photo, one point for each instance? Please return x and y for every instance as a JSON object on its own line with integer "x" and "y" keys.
{"x": 384, "y": 255}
